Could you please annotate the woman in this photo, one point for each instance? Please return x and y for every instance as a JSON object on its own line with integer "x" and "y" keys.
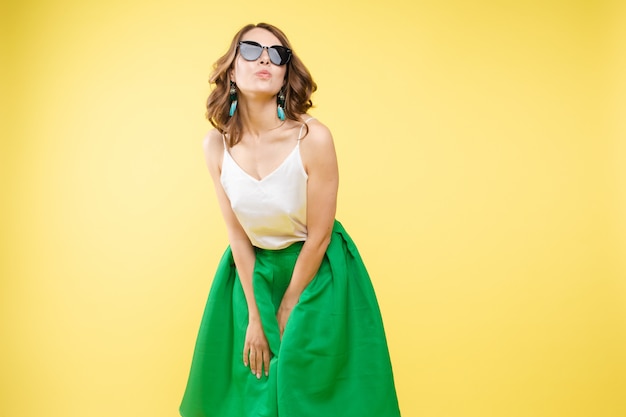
{"x": 291, "y": 327}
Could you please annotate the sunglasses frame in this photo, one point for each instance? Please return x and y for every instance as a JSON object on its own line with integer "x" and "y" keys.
{"x": 272, "y": 51}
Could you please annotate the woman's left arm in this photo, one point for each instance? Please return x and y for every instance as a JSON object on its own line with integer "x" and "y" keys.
{"x": 320, "y": 162}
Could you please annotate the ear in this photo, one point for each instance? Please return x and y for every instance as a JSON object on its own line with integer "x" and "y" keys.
{"x": 232, "y": 75}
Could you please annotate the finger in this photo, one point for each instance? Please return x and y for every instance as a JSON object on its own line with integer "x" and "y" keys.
{"x": 246, "y": 352}
{"x": 266, "y": 362}
{"x": 259, "y": 364}
{"x": 253, "y": 361}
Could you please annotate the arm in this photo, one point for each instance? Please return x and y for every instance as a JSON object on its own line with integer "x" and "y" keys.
{"x": 320, "y": 161}
{"x": 256, "y": 348}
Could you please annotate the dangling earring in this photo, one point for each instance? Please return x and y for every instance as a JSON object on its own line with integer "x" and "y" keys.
{"x": 281, "y": 105}
{"x": 233, "y": 99}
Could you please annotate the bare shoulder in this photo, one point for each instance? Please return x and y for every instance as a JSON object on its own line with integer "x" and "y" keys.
{"x": 212, "y": 140}
{"x": 318, "y": 139}
{"x": 213, "y": 146}
{"x": 317, "y": 148}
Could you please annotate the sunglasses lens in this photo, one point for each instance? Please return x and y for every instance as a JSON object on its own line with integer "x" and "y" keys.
{"x": 279, "y": 55}
{"x": 250, "y": 51}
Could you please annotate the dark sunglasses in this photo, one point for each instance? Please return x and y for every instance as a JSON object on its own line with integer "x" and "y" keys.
{"x": 251, "y": 51}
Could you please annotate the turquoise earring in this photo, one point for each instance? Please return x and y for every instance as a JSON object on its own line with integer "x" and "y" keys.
{"x": 233, "y": 99}
{"x": 280, "y": 110}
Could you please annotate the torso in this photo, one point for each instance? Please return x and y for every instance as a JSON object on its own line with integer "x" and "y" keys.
{"x": 266, "y": 185}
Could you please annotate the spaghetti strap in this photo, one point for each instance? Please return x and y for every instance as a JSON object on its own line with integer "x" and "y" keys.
{"x": 302, "y": 127}
{"x": 226, "y": 153}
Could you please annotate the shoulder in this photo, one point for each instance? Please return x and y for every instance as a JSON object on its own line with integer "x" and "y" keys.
{"x": 318, "y": 137}
{"x": 213, "y": 147}
{"x": 317, "y": 147}
{"x": 212, "y": 140}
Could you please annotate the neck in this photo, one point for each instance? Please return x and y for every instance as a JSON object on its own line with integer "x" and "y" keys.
{"x": 259, "y": 117}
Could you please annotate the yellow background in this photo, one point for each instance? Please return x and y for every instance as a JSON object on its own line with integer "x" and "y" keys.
{"x": 483, "y": 177}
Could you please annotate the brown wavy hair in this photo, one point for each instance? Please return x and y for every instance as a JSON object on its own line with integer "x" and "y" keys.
{"x": 298, "y": 88}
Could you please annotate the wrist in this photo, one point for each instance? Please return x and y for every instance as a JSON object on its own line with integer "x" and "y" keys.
{"x": 254, "y": 318}
{"x": 290, "y": 299}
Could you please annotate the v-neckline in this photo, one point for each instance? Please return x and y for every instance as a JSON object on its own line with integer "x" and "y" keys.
{"x": 268, "y": 175}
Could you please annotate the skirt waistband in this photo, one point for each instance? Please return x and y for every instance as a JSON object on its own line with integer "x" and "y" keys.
{"x": 295, "y": 247}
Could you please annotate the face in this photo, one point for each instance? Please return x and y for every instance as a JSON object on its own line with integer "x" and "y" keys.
{"x": 261, "y": 76}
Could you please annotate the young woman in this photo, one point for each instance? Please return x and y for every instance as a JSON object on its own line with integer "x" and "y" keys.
{"x": 292, "y": 327}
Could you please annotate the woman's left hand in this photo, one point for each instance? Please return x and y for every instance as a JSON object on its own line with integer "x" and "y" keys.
{"x": 284, "y": 311}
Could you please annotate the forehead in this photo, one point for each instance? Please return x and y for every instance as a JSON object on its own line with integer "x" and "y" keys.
{"x": 262, "y": 36}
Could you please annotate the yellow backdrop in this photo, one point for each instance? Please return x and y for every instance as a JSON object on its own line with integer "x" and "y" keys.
{"x": 482, "y": 163}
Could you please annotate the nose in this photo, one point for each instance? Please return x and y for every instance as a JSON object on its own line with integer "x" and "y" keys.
{"x": 265, "y": 56}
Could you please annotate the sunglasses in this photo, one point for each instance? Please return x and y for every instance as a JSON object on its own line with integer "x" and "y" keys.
{"x": 251, "y": 51}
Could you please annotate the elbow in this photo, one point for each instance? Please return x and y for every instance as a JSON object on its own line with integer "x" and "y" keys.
{"x": 319, "y": 243}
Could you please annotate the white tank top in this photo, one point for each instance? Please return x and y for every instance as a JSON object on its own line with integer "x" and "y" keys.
{"x": 272, "y": 210}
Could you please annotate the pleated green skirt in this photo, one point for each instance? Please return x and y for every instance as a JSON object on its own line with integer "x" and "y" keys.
{"x": 332, "y": 361}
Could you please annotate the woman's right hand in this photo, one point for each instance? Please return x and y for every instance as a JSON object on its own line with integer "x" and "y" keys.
{"x": 256, "y": 350}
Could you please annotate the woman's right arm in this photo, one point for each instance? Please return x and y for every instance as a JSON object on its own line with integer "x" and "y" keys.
{"x": 256, "y": 348}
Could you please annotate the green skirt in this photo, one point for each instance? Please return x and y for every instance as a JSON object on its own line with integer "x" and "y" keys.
{"x": 332, "y": 361}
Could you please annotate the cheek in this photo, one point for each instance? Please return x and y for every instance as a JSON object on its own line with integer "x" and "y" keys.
{"x": 283, "y": 74}
{"x": 236, "y": 69}
{"x": 240, "y": 68}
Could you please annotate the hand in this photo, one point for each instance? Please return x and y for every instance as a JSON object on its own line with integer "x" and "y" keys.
{"x": 284, "y": 311}
{"x": 256, "y": 350}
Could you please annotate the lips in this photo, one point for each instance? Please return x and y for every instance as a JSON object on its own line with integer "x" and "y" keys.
{"x": 263, "y": 74}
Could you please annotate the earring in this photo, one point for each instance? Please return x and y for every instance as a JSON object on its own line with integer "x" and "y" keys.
{"x": 281, "y": 105}
{"x": 233, "y": 99}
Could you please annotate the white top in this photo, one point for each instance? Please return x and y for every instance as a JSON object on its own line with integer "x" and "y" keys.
{"x": 272, "y": 210}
